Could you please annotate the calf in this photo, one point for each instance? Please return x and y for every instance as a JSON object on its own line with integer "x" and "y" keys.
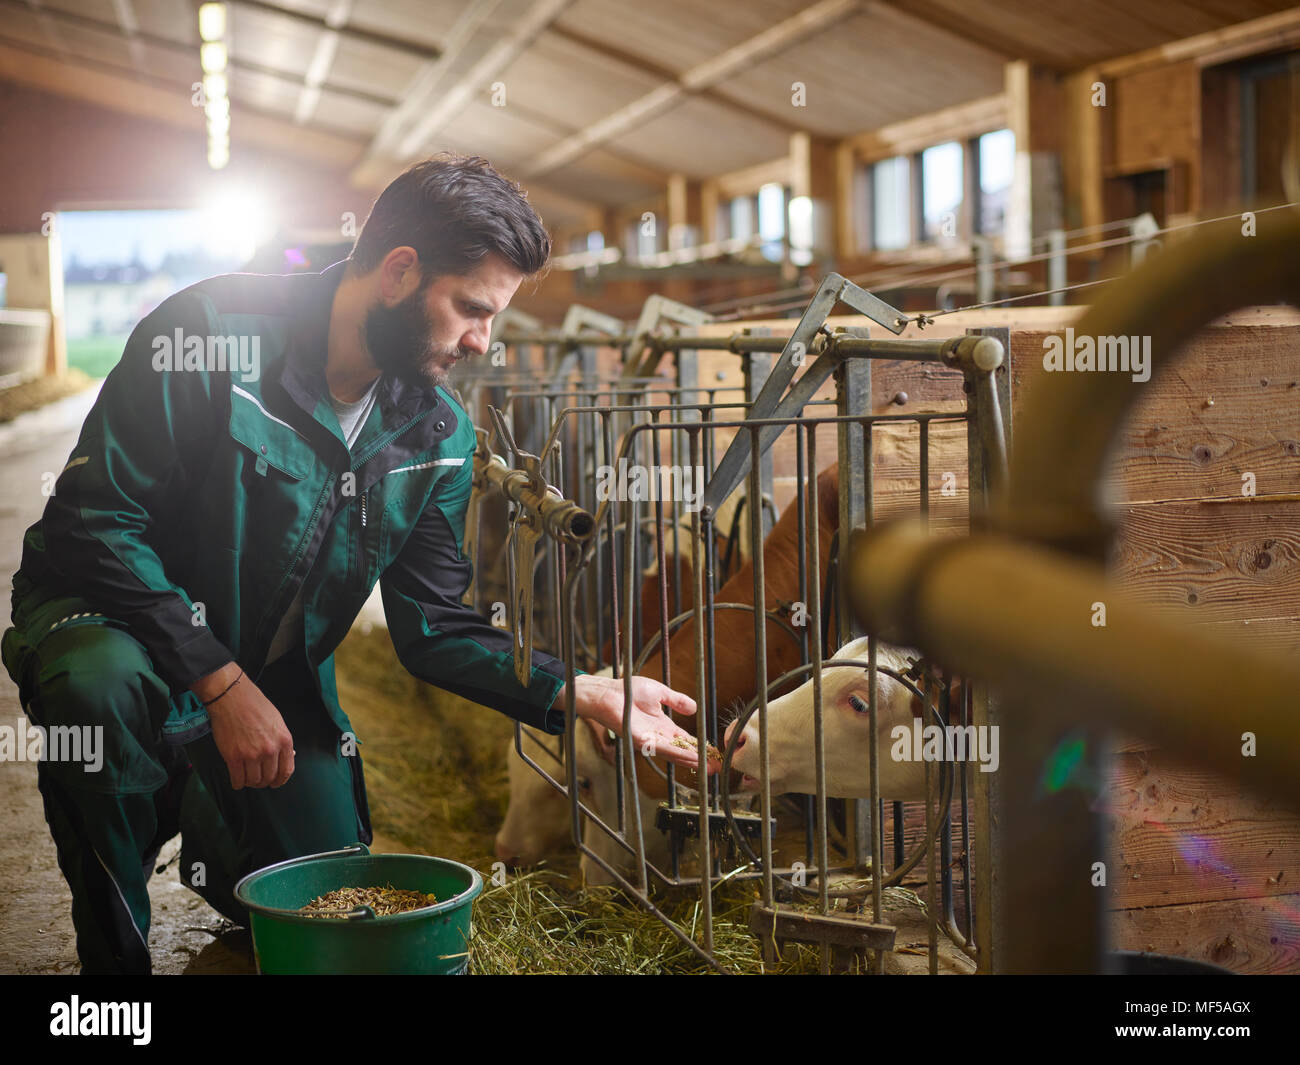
{"x": 537, "y": 821}
{"x": 846, "y": 692}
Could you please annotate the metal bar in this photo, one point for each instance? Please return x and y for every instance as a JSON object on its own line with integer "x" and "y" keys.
{"x": 760, "y": 670}
{"x": 833, "y": 290}
{"x": 704, "y": 595}
{"x": 1056, "y": 268}
{"x": 852, "y": 397}
{"x": 819, "y": 736}
{"x": 755, "y": 368}
{"x": 989, "y": 915}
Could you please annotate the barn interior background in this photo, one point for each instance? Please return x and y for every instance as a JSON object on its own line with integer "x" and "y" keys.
{"x": 704, "y": 172}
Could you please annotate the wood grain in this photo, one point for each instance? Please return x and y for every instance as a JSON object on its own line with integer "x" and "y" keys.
{"x": 1246, "y": 936}
{"x": 1213, "y": 561}
{"x": 1184, "y": 835}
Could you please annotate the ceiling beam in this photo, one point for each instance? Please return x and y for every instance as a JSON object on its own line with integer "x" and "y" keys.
{"x": 959, "y": 122}
{"x": 48, "y": 28}
{"x": 942, "y": 18}
{"x": 1275, "y": 32}
{"x": 163, "y": 100}
{"x": 771, "y": 41}
{"x": 318, "y": 70}
{"x": 646, "y": 66}
{"x": 419, "y": 94}
{"x": 129, "y": 26}
{"x": 494, "y": 61}
{"x": 355, "y": 33}
{"x": 186, "y": 49}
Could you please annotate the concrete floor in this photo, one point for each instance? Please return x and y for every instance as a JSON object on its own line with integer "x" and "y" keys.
{"x": 36, "y": 934}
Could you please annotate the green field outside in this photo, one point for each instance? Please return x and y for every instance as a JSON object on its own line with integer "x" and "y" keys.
{"x": 96, "y": 355}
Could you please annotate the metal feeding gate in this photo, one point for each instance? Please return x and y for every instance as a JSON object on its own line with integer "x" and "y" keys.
{"x": 597, "y": 547}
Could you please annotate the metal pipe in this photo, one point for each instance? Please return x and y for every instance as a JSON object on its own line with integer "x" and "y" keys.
{"x": 992, "y": 607}
{"x": 562, "y": 518}
{"x": 745, "y": 343}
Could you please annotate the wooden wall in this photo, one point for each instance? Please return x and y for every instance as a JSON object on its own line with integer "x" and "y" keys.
{"x": 1205, "y": 870}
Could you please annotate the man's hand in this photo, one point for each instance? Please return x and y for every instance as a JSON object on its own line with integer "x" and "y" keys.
{"x": 600, "y": 700}
{"x": 248, "y": 730}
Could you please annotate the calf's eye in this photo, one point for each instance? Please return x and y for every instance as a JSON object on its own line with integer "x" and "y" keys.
{"x": 859, "y": 705}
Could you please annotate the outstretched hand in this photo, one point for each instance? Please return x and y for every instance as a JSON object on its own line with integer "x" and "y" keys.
{"x": 600, "y": 700}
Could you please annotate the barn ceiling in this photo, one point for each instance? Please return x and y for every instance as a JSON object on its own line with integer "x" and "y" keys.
{"x": 594, "y": 102}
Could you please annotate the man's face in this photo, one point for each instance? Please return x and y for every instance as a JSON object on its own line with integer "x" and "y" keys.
{"x": 421, "y": 337}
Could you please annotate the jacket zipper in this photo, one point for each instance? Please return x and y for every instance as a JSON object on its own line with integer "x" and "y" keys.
{"x": 357, "y": 462}
{"x": 361, "y": 540}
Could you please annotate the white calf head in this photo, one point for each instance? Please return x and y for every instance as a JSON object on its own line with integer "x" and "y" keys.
{"x": 846, "y": 730}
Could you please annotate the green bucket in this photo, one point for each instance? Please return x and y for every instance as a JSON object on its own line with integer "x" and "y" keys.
{"x": 428, "y": 941}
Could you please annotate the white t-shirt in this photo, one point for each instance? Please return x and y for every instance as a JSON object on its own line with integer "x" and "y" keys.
{"x": 351, "y": 416}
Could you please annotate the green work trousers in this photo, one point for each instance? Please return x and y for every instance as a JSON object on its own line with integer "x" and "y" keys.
{"x": 76, "y": 668}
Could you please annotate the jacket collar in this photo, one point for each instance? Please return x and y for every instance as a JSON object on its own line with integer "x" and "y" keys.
{"x": 303, "y": 376}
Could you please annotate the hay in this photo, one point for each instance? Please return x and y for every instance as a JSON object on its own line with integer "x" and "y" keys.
{"x": 36, "y": 393}
{"x": 537, "y": 923}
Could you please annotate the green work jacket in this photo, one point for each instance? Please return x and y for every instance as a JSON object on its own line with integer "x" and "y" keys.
{"x": 211, "y": 482}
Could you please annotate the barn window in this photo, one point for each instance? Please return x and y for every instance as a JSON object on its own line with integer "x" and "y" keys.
{"x": 941, "y": 183}
{"x": 740, "y": 216}
{"x": 891, "y": 203}
{"x": 997, "y": 160}
{"x": 771, "y": 220}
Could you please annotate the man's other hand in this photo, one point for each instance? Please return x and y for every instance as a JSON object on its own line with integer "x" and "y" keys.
{"x": 249, "y": 732}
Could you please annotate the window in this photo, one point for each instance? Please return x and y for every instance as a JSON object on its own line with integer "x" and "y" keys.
{"x": 891, "y": 198}
{"x": 771, "y": 221}
{"x": 741, "y": 217}
{"x": 941, "y": 190}
{"x": 997, "y": 161}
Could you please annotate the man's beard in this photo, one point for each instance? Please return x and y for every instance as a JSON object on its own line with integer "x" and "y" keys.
{"x": 399, "y": 340}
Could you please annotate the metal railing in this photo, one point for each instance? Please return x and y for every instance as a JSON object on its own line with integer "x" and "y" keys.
{"x": 602, "y": 573}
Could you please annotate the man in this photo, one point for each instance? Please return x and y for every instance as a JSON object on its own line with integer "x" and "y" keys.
{"x": 218, "y": 527}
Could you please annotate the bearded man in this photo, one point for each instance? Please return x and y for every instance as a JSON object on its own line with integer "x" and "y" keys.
{"x": 218, "y": 527}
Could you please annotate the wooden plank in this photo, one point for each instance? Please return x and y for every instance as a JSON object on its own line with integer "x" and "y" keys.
{"x": 1246, "y": 936}
{"x": 1279, "y": 636}
{"x": 1274, "y": 32}
{"x": 1230, "y": 405}
{"x": 747, "y": 181}
{"x": 913, "y": 134}
{"x": 1182, "y": 834}
{"x": 1212, "y": 561}
{"x": 1157, "y": 115}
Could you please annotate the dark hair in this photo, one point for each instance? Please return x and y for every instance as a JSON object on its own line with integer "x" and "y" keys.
{"x": 453, "y": 210}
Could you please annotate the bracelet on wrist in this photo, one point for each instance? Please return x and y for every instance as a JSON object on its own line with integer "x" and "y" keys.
{"x": 227, "y": 689}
